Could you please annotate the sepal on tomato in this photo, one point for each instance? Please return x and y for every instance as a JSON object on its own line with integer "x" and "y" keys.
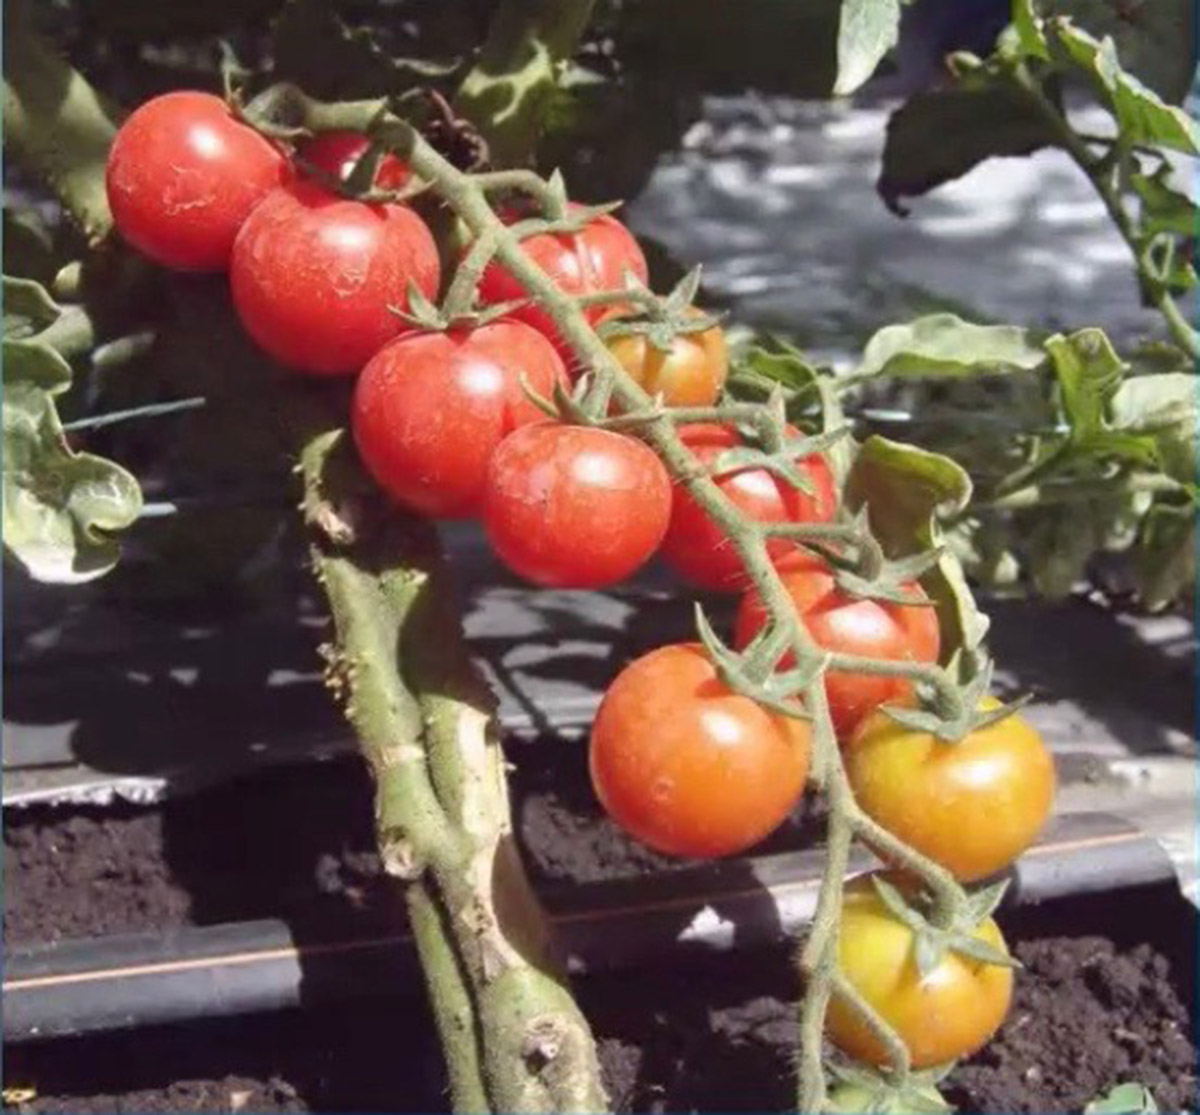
{"x": 861, "y": 1090}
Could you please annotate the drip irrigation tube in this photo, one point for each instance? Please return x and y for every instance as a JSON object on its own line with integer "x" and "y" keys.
{"x": 83, "y": 986}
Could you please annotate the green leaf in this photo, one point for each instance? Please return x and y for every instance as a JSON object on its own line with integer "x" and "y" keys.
{"x": 1164, "y": 208}
{"x": 1164, "y": 406}
{"x": 1089, "y": 372}
{"x": 867, "y": 30}
{"x": 1165, "y": 559}
{"x": 1156, "y": 39}
{"x": 316, "y": 50}
{"x": 60, "y": 507}
{"x": 28, "y": 245}
{"x": 1124, "y": 1099}
{"x": 1027, "y": 28}
{"x": 1142, "y": 115}
{"x": 943, "y": 344}
{"x": 937, "y": 136}
{"x": 906, "y": 490}
{"x": 28, "y": 308}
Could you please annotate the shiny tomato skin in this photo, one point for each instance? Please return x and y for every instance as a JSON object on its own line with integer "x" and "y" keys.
{"x": 692, "y": 373}
{"x": 182, "y": 177}
{"x": 845, "y": 625}
{"x": 972, "y": 806}
{"x": 585, "y": 262}
{"x": 314, "y": 276}
{"x": 574, "y": 506}
{"x": 430, "y": 409}
{"x": 947, "y": 1014}
{"x": 696, "y": 548}
{"x": 689, "y": 767}
{"x": 337, "y": 152}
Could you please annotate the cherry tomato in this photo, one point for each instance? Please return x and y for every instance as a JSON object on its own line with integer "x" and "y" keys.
{"x": 575, "y": 506}
{"x": 697, "y": 549}
{"x": 430, "y": 408}
{"x": 337, "y": 153}
{"x": 585, "y": 262}
{"x": 972, "y": 806}
{"x": 315, "y": 276}
{"x": 182, "y": 177}
{"x": 945, "y": 1015}
{"x": 846, "y": 625}
{"x": 692, "y": 373}
{"x": 686, "y": 765}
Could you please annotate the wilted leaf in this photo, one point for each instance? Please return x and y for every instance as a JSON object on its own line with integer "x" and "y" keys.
{"x": 1142, "y": 115}
{"x": 1124, "y": 1099}
{"x": 28, "y": 245}
{"x": 935, "y": 137}
{"x": 1165, "y": 559}
{"x": 28, "y": 308}
{"x": 906, "y": 489}
{"x": 867, "y": 30}
{"x": 60, "y": 508}
{"x": 943, "y": 344}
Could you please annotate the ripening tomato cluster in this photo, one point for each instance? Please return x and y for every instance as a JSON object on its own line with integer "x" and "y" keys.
{"x": 444, "y": 423}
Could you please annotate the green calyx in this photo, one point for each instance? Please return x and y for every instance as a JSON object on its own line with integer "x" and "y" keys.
{"x": 931, "y": 942}
{"x": 861, "y": 1089}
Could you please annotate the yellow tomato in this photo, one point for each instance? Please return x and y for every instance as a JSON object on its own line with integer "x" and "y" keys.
{"x": 692, "y": 373}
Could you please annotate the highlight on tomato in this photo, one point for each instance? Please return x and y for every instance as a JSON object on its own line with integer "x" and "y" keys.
{"x": 973, "y": 805}
{"x": 337, "y": 153}
{"x": 941, "y": 1016}
{"x": 316, "y": 277}
{"x": 574, "y": 506}
{"x": 430, "y": 409}
{"x": 689, "y": 767}
{"x": 182, "y": 177}
{"x": 697, "y": 549}
{"x": 845, "y": 624}
{"x": 592, "y": 260}
{"x": 690, "y": 373}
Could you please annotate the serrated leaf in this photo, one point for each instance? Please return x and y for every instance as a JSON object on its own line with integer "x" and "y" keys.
{"x": 1088, "y": 372}
{"x": 944, "y": 344}
{"x": 937, "y": 136}
{"x": 907, "y": 489}
{"x": 61, "y": 508}
{"x": 1156, "y": 39}
{"x": 1142, "y": 115}
{"x": 867, "y": 30}
{"x": 1124, "y": 1099}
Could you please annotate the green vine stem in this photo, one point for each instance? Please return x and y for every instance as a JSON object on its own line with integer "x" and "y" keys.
{"x": 55, "y": 123}
{"x": 505, "y": 94}
{"x": 1109, "y": 193}
{"x": 514, "y": 1039}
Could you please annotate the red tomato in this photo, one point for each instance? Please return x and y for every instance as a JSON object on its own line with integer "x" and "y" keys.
{"x": 584, "y": 262}
{"x": 575, "y": 506}
{"x": 846, "y": 625}
{"x": 337, "y": 153}
{"x": 430, "y": 409}
{"x": 314, "y": 276}
{"x": 697, "y": 549}
{"x": 688, "y": 766}
{"x": 182, "y": 177}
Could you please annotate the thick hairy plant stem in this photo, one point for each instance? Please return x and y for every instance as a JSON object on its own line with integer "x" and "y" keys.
{"x": 513, "y": 1037}
{"x": 55, "y": 124}
{"x": 504, "y": 95}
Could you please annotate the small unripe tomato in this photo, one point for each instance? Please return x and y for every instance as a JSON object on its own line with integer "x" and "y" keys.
{"x": 691, "y": 373}
{"x": 942, "y": 1016}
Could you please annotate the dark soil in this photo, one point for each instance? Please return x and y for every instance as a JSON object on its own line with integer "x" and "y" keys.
{"x": 1107, "y": 996}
